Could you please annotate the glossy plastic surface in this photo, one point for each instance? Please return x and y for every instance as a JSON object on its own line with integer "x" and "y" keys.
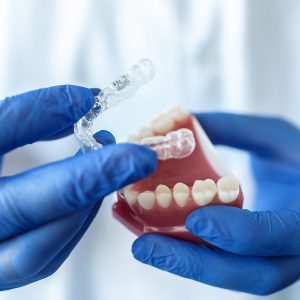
{"x": 177, "y": 144}
{"x": 122, "y": 88}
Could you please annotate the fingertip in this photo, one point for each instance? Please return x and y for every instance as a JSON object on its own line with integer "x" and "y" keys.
{"x": 80, "y": 98}
{"x": 163, "y": 252}
{"x": 105, "y": 137}
{"x": 195, "y": 222}
{"x": 95, "y": 91}
{"x": 144, "y": 156}
{"x": 190, "y": 222}
{"x": 121, "y": 165}
{"x": 205, "y": 222}
{"x": 138, "y": 249}
{"x": 146, "y": 246}
{"x": 221, "y": 226}
{"x": 150, "y": 157}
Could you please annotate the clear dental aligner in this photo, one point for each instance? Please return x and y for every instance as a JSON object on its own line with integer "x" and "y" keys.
{"x": 122, "y": 88}
{"x": 175, "y": 144}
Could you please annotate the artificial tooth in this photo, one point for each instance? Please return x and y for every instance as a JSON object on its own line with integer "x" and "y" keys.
{"x": 134, "y": 138}
{"x": 145, "y": 132}
{"x": 228, "y": 189}
{"x": 178, "y": 113}
{"x": 181, "y": 193}
{"x": 162, "y": 124}
{"x": 146, "y": 200}
{"x": 204, "y": 191}
{"x": 163, "y": 195}
{"x": 130, "y": 195}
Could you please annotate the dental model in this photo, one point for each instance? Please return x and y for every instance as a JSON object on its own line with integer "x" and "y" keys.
{"x": 182, "y": 183}
{"x": 122, "y": 88}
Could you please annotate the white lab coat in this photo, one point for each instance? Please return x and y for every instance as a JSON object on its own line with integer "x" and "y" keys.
{"x": 232, "y": 55}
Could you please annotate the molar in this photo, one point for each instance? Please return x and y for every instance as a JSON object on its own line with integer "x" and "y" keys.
{"x": 181, "y": 193}
{"x": 145, "y": 132}
{"x": 228, "y": 189}
{"x": 204, "y": 191}
{"x": 146, "y": 200}
{"x": 134, "y": 138}
{"x": 163, "y": 195}
{"x": 178, "y": 113}
{"x": 162, "y": 124}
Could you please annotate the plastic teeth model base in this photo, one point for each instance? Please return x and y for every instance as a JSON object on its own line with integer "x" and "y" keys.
{"x": 161, "y": 202}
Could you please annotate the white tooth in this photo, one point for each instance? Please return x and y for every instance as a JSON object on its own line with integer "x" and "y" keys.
{"x": 146, "y": 200}
{"x": 163, "y": 195}
{"x": 181, "y": 193}
{"x": 178, "y": 113}
{"x": 228, "y": 189}
{"x": 134, "y": 138}
{"x": 162, "y": 124}
{"x": 204, "y": 191}
{"x": 130, "y": 196}
{"x": 145, "y": 132}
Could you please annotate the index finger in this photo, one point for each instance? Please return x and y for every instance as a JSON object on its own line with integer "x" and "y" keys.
{"x": 265, "y": 136}
{"x": 39, "y": 114}
{"x": 40, "y": 195}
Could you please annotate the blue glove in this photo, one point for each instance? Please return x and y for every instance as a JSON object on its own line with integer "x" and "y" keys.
{"x": 45, "y": 211}
{"x": 257, "y": 252}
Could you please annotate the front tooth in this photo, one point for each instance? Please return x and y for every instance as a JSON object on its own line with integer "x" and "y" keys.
{"x": 204, "y": 191}
{"x": 163, "y": 195}
{"x": 146, "y": 200}
{"x": 130, "y": 196}
{"x": 162, "y": 124}
{"x": 228, "y": 189}
{"x": 178, "y": 113}
{"x": 181, "y": 193}
{"x": 145, "y": 132}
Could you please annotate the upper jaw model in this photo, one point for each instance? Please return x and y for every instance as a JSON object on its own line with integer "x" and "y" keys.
{"x": 189, "y": 176}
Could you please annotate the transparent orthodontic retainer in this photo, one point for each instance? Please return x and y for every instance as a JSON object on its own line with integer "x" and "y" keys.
{"x": 174, "y": 145}
{"x": 123, "y": 88}
{"x": 177, "y": 144}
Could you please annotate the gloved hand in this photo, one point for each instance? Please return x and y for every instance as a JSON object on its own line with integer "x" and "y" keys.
{"x": 45, "y": 211}
{"x": 257, "y": 252}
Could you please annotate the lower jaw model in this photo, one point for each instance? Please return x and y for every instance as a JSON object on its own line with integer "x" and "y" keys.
{"x": 161, "y": 202}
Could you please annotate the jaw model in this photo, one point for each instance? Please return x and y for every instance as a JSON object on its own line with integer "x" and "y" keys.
{"x": 161, "y": 202}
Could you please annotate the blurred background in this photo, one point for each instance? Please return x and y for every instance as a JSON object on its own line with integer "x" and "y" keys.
{"x": 233, "y": 55}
